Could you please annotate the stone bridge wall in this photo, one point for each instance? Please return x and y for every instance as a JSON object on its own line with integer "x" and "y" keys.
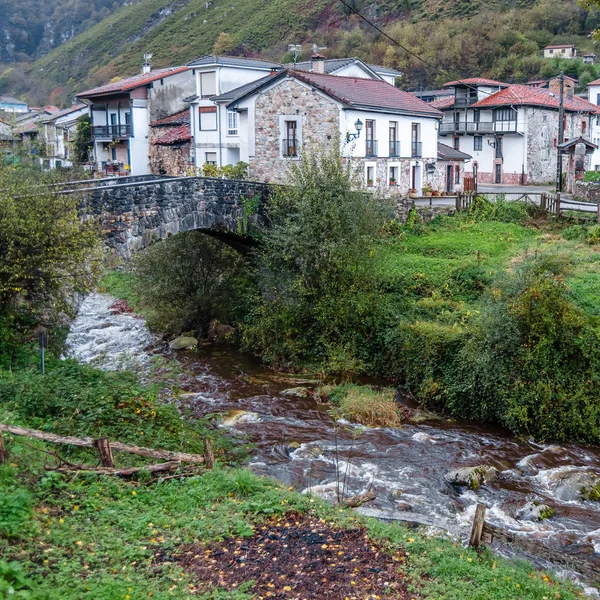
{"x": 588, "y": 191}
{"x": 135, "y": 214}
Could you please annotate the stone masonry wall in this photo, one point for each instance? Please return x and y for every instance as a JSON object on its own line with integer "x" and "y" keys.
{"x": 172, "y": 160}
{"x": 587, "y": 191}
{"x": 134, "y": 215}
{"x": 320, "y": 126}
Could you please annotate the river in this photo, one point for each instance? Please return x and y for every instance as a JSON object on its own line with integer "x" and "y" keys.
{"x": 294, "y": 442}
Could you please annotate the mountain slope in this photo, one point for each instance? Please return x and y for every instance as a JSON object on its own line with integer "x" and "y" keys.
{"x": 462, "y": 36}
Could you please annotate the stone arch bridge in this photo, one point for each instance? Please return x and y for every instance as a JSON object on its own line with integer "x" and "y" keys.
{"x": 137, "y": 211}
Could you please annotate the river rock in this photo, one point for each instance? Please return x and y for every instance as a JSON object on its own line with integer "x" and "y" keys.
{"x": 183, "y": 343}
{"x": 233, "y": 417}
{"x": 219, "y": 332}
{"x": 576, "y": 485}
{"x": 297, "y": 392}
{"x": 535, "y": 511}
{"x": 293, "y": 445}
{"x": 420, "y": 415}
{"x": 422, "y": 437}
{"x": 472, "y": 477}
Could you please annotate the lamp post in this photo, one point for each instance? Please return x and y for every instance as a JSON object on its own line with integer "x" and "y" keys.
{"x": 353, "y": 136}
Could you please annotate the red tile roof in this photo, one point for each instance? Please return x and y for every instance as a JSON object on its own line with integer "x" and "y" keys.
{"x": 180, "y": 118}
{"x": 531, "y": 96}
{"x": 442, "y": 103}
{"x": 132, "y": 82}
{"x": 475, "y": 81}
{"x": 176, "y": 135}
{"x": 559, "y": 46}
{"x": 595, "y": 82}
{"x": 367, "y": 94}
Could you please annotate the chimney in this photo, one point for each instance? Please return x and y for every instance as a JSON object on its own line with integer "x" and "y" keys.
{"x": 318, "y": 63}
{"x": 146, "y": 66}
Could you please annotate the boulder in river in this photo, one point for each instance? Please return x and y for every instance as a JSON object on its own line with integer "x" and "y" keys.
{"x": 297, "y": 392}
{"x": 183, "y": 343}
{"x": 535, "y": 511}
{"x": 578, "y": 485}
{"x": 472, "y": 477}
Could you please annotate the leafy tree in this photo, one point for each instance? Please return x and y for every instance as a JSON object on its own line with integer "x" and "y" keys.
{"x": 82, "y": 144}
{"x": 47, "y": 254}
{"x": 224, "y": 44}
{"x": 317, "y": 294}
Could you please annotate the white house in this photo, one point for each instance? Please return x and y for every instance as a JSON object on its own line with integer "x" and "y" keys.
{"x": 388, "y": 134}
{"x": 122, "y": 111}
{"x": 216, "y": 131}
{"x": 58, "y": 131}
{"x": 349, "y": 67}
{"x": 594, "y": 98}
{"x": 560, "y": 51}
{"x": 12, "y": 105}
{"x": 511, "y": 131}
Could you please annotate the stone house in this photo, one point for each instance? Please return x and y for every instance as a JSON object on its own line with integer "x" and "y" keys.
{"x": 449, "y": 175}
{"x": 58, "y": 133}
{"x": 171, "y": 145}
{"x": 122, "y": 111}
{"x": 389, "y": 135}
{"x": 348, "y": 67}
{"x": 511, "y": 131}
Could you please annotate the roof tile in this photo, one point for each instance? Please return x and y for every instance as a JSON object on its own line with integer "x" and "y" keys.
{"x": 476, "y": 81}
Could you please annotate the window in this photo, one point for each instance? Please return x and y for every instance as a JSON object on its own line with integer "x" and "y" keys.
{"x": 290, "y": 140}
{"x": 393, "y": 176}
{"x": 598, "y": 99}
{"x": 551, "y": 51}
{"x": 113, "y": 154}
{"x": 232, "y": 122}
{"x": 371, "y": 144}
{"x": 476, "y": 116}
{"x": 210, "y": 158}
{"x": 370, "y": 176}
{"x": 456, "y": 143}
{"x": 499, "y": 141}
{"x": 415, "y": 137}
{"x": 505, "y": 114}
{"x": 113, "y": 118}
{"x": 208, "y": 84}
{"x": 583, "y": 127}
{"x": 207, "y": 118}
{"x": 478, "y": 143}
{"x": 457, "y": 174}
{"x": 127, "y": 118}
{"x": 394, "y": 143}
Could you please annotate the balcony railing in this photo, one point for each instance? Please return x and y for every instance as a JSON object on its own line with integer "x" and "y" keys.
{"x": 394, "y": 149}
{"x": 289, "y": 147}
{"x": 111, "y": 131}
{"x": 478, "y": 127}
{"x": 417, "y": 149}
{"x": 371, "y": 149}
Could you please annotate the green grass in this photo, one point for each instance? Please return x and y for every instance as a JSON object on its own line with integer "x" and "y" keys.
{"x": 120, "y": 285}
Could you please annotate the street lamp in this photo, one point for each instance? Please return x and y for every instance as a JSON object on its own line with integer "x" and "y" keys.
{"x": 352, "y": 136}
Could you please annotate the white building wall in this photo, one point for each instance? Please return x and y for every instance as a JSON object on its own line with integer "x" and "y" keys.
{"x": 139, "y": 147}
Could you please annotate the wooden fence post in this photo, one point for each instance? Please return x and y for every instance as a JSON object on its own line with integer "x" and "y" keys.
{"x": 458, "y": 199}
{"x": 557, "y": 205}
{"x": 598, "y": 215}
{"x": 543, "y": 201}
{"x": 209, "y": 457}
{"x": 477, "y": 528}
{"x": 106, "y": 457}
{"x": 2, "y": 450}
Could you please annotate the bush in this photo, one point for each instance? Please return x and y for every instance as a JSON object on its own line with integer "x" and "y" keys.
{"x": 507, "y": 212}
{"x": 15, "y": 513}
{"x": 365, "y": 405}
{"x": 592, "y": 235}
{"x": 186, "y": 281}
{"x": 318, "y": 293}
{"x": 592, "y": 176}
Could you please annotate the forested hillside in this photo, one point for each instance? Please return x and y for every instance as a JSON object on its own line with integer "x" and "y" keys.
{"x": 496, "y": 38}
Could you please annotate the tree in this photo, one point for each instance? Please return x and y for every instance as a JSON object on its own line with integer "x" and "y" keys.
{"x": 48, "y": 255}
{"x": 224, "y": 44}
{"x": 82, "y": 144}
{"x": 317, "y": 290}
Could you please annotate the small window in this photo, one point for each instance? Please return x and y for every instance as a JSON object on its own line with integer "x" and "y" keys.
{"x": 211, "y": 158}
{"x": 583, "y": 127}
{"x": 207, "y": 120}
{"x": 208, "y": 84}
{"x": 457, "y": 174}
{"x": 370, "y": 176}
{"x": 478, "y": 143}
{"x": 232, "y": 122}
{"x": 290, "y": 141}
{"x": 457, "y": 143}
{"x": 393, "y": 176}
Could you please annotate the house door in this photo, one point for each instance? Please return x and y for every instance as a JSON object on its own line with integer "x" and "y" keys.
{"x": 449, "y": 178}
{"x": 475, "y": 169}
{"x": 498, "y": 176}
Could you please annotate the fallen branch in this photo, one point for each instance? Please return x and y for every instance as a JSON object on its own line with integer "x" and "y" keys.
{"x": 92, "y": 443}
{"x": 356, "y": 501}
{"x": 125, "y": 472}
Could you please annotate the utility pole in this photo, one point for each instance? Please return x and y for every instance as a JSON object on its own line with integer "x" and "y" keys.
{"x": 561, "y": 132}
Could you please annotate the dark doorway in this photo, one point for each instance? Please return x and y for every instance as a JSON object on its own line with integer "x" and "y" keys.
{"x": 449, "y": 178}
{"x": 498, "y": 177}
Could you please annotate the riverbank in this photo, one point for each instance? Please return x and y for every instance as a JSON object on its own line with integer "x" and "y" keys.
{"x": 91, "y": 536}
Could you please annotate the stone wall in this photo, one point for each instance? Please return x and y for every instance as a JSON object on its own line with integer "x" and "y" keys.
{"x": 438, "y": 178}
{"x": 426, "y": 212}
{"x": 587, "y": 191}
{"x": 172, "y": 160}
{"x": 134, "y": 215}
{"x": 319, "y": 126}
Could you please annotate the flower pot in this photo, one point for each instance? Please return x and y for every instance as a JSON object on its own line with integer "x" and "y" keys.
{"x": 413, "y": 195}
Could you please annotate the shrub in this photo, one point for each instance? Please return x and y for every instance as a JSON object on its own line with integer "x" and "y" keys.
{"x": 593, "y": 235}
{"x": 15, "y": 512}
{"x": 13, "y": 582}
{"x": 365, "y": 405}
{"x": 187, "y": 281}
{"x": 592, "y": 176}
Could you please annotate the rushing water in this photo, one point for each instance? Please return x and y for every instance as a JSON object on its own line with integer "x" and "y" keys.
{"x": 295, "y": 443}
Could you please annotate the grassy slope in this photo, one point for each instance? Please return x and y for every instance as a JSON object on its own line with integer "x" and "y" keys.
{"x": 92, "y": 537}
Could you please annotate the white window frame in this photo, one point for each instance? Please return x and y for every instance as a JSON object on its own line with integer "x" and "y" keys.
{"x": 396, "y": 167}
{"x": 283, "y": 133}
{"x": 202, "y": 76}
{"x": 210, "y": 162}
{"x": 369, "y": 166}
{"x": 200, "y": 115}
{"x": 233, "y": 122}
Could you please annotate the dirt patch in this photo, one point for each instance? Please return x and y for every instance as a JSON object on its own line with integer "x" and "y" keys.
{"x": 299, "y": 557}
{"x": 120, "y": 307}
